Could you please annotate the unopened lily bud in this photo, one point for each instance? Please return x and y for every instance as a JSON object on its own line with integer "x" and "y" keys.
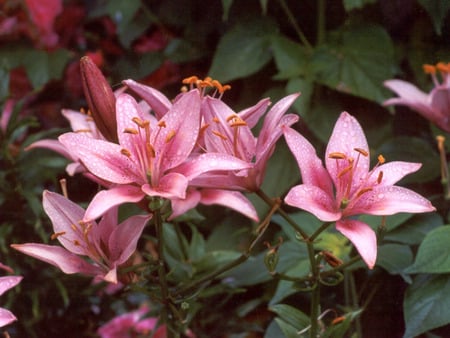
{"x": 100, "y": 98}
{"x": 331, "y": 259}
{"x": 271, "y": 260}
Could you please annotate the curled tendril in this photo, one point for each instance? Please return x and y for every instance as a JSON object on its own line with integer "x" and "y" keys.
{"x": 332, "y": 279}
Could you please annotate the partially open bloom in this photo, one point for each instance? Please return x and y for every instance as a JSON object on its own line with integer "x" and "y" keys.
{"x": 108, "y": 245}
{"x": 6, "y": 283}
{"x": 434, "y": 106}
{"x": 346, "y": 187}
{"x": 230, "y": 133}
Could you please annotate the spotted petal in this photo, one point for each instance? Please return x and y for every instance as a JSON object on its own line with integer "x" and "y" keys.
{"x": 363, "y": 238}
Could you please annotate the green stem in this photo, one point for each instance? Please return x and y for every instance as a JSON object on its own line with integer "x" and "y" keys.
{"x": 314, "y": 312}
{"x": 283, "y": 214}
{"x": 294, "y": 24}
{"x": 316, "y": 233}
{"x": 260, "y": 231}
{"x": 320, "y": 21}
{"x": 162, "y": 274}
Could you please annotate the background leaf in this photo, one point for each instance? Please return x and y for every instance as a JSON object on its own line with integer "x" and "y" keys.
{"x": 427, "y": 304}
{"x": 356, "y": 60}
{"x": 243, "y": 50}
{"x": 437, "y": 10}
{"x": 433, "y": 255}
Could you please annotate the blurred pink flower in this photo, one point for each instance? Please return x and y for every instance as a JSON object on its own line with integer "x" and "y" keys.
{"x": 6, "y": 283}
{"x": 43, "y": 14}
{"x": 346, "y": 187}
{"x": 132, "y": 324}
{"x": 106, "y": 244}
{"x": 434, "y": 106}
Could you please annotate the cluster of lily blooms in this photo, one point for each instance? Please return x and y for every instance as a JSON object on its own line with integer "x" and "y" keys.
{"x": 142, "y": 147}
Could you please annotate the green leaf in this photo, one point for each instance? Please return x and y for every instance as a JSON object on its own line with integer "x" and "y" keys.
{"x": 339, "y": 330}
{"x": 437, "y": 10}
{"x": 414, "y": 230}
{"x": 197, "y": 245}
{"x": 391, "y": 222}
{"x": 4, "y": 84}
{"x": 427, "y": 304}
{"x": 243, "y": 50}
{"x": 354, "y": 4}
{"x": 394, "y": 258}
{"x": 37, "y": 67}
{"x": 226, "y": 5}
{"x": 290, "y": 57}
{"x": 130, "y": 21}
{"x": 433, "y": 255}
{"x": 306, "y": 89}
{"x": 413, "y": 149}
{"x": 356, "y": 61}
{"x": 291, "y": 316}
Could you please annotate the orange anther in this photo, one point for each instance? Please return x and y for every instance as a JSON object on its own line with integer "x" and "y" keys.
{"x": 130, "y": 131}
{"x": 429, "y": 69}
{"x": 381, "y": 159}
{"x": 125, "y": 152}
{"x": 361, "y": 151}
{"x": 170, "y": 136}
{"x": 162, "y": 124}
{"x": 345, "y": 170}
{"x": 82, "y": 131}
{"x": 150, "y": 150}
{"x": 380, "y": 177}
{"x": 363, "y": 191}
{"x": 57, "y": 234}
{"x": 337, "y": 156}
{"x": 190, "y": 80}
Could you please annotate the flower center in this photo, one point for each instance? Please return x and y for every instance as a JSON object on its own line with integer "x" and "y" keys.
{"x": 145, "y": 154}
{"x": 350, "y": 187}
{"x": 82, "y": 232}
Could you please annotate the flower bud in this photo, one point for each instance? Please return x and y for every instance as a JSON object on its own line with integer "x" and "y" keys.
{"x": 271, "y": 260}
{"x": 100, "y": 98}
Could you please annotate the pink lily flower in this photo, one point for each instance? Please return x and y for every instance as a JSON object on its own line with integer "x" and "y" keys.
{"x": 6, "y": 283}
{"x": 346, "y": 187}
{"x": 106, "y": 244}
{"x": 147, "y": 161}
{"x": 434, "y": 106}
{"x": 230, "y": 133}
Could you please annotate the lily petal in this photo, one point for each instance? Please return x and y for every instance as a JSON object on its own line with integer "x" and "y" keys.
{"x": 311, "y": 168}
{"x": 389, "y": 200}
{"x": 64, "y": 214}
{"x": 211, "y": 162}
{"x": 106, "y": 199}
{"x": 363, "y": 238}
{"x": 8, "y": 282}
{"x": 172, "y": 185}
{"x": 6, "y": 317}
{"x": 123, "y": 240}
{"x": 159, "y": 103}
{"x": 103, "y": 159}
{"x": 313, "y": 200}
{"x": 230, "y": 199}
{"x": 346, "y": 136}
{"x": 59, "y": 257}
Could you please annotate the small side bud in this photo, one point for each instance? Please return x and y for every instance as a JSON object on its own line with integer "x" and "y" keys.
{"x": 100, "y": 98}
